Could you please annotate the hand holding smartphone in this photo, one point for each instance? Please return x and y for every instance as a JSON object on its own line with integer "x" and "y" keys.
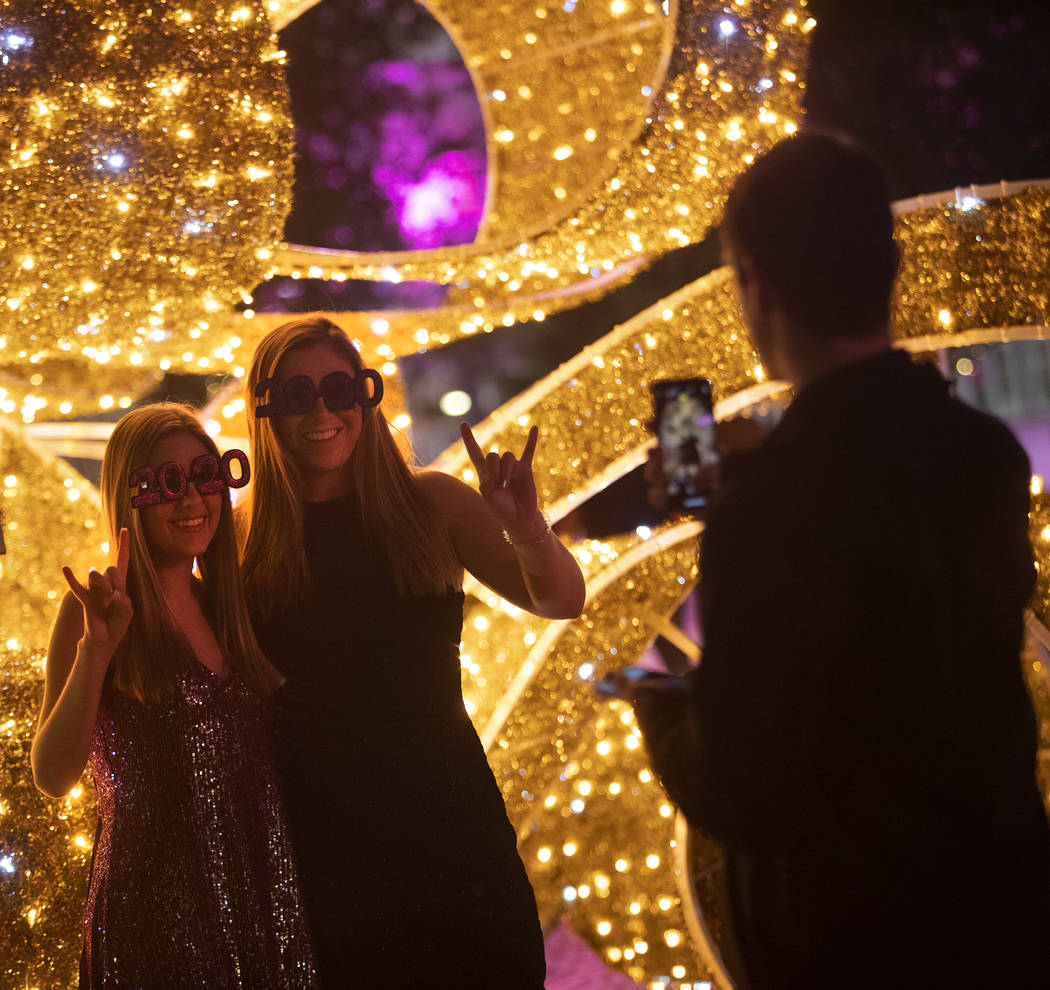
{"x": 626, "y": 683}
{"x": 684, "y": 424}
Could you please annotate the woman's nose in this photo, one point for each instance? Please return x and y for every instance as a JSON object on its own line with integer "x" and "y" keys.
{"x": 192, "y": 496}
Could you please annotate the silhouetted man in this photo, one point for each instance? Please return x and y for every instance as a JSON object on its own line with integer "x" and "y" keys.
{"x": 858, "y": 733}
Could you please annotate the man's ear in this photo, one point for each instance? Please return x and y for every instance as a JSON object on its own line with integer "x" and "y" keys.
{"x": 744, "y": 268}
{"x": 759, "y": 289}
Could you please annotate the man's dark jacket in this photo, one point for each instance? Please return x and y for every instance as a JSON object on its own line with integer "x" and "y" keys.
{"x": 858, "y": 733}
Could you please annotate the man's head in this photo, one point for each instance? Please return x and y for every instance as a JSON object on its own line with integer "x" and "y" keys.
{"x": 809, "y": 232}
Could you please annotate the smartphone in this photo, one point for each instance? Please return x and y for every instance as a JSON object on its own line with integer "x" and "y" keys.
{"x": 684, "y": 424}
{"x": 608, "y": 687}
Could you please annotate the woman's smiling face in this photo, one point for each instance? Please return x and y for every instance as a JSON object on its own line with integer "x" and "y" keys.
{"x": 319, "y": 442}
{"x": 177, "y": 532}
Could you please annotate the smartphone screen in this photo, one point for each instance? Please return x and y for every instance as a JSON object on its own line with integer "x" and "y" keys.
{"x": 608, "y": 686}
{"x": 685, "y": 432}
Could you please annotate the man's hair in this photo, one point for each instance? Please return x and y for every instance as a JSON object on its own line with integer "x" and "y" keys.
{"x": 813, "y": 215}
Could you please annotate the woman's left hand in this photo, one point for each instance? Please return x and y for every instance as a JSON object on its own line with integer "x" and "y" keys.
{"x": 507, "y": 485}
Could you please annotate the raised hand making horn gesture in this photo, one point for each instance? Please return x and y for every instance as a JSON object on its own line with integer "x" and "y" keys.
{"x": 506, "y": 484}
{"x": 107, "y": 608}
{"x": 92, "y": 621}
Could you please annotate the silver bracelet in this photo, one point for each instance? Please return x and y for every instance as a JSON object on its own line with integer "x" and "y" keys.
{"x": 532, "y": 541}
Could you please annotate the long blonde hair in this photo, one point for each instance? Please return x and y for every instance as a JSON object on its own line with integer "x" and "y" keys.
{"x": 399, "y": 522}
{"x": 154, "y": 649}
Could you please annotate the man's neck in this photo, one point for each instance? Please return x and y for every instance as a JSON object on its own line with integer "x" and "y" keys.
{"x": 810, "y": 360}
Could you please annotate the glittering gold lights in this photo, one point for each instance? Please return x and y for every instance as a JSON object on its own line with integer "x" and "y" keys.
{"x": 149, "y": 171}
{"x": 592, "y": 411}
{"x": 975, "y": 266}
{"x": 732, "y": 87}
{"x": 140, "y": 211}
{"x": 50, "y": 519}
{"x": 571, "y": 764}
{"x": 146, "y": 180}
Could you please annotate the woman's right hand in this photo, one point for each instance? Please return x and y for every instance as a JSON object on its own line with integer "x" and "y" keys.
{"x": 107, "y": 608}
{"x": 78, "y": 657}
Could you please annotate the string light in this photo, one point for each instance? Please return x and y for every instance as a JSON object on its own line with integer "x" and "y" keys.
{"x": 43, "y": 853}
{"x": 1033, "y": 662}
{"x": 592, "y": 411}
{"x": 45, "y": 867}
{"x": 136, "y": 215}
{"x": 956, "y": 255}
{"x": 998, "y": 244}
{"x": 222, "y": 228}
{"x": 562, "y": 743}
{"x": 669, "y": 180}
{"x": 1004, "y": 230}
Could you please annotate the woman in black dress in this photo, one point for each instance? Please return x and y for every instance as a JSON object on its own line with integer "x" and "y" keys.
{"x": 354, "y": 566}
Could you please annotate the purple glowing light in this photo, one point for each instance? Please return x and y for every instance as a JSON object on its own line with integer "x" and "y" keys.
{"x": 444, "y": 199}
{"x": 442, "y": 206}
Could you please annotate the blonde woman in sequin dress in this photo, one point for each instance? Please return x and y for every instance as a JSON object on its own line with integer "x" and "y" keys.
{"x": 155, "y": 680}
{"x": 354, "y": 566}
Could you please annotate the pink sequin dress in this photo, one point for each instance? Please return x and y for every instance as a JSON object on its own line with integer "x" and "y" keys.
{"x": 193, "y": 882}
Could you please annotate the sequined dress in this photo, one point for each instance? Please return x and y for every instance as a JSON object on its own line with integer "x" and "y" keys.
{"x": 410, "y": 865}
{"x": 193, "y": 881}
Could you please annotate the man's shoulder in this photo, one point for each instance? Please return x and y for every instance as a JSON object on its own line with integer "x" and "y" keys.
{"x": 973, "y": 433}
{"x": 896, "y": 407}
{"x": 864, "y": 450}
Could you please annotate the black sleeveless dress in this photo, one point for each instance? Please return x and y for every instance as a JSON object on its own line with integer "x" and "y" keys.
{"x": 409, "y": 864}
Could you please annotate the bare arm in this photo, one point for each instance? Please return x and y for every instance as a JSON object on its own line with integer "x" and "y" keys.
{"x": 543, "y": 578}
{"x": 534, "y": 570}
{"x": 91, "y": 622}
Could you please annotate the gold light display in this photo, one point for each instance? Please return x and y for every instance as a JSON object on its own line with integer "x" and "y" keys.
{"x": 565, "y": 88}
{"x": 146, "y": 179}
{"x": 592, "y": 411}
{"x": 63, "y": 389}
{"x": 995, "y": 288}
{"x": 1040, "y": 536}
{"x": 956, "y": 255}
{"x": 50, "y": 519}
{"x": 732, "y": 88}
{"x": 984, "y": 232}
{"x": 1036, "y": 659}
{"x": 1034, "y": 666}
{"x": 45, "y": 845}
{"x": 550, "y": 78}
{"x": 569, "y": 764}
